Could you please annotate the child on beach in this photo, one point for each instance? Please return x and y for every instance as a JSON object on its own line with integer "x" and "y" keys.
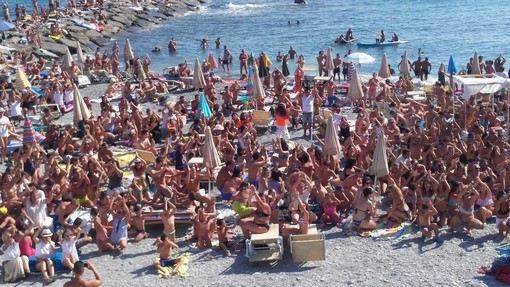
{"x": 138, "y": 221}
{"x": 223, "y": 238}
{"x": 168, "y": 218}
{"x": 164, "y": 248}
{"x": 330, "y": 214}
{"x": 44, "y": 248}
{"x": 69, "y": 251}
{"x": 426, "y": 212}
{"x": 202, "y": 225}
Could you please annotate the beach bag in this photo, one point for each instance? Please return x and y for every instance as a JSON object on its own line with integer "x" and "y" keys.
{"x": 503, "y": 274}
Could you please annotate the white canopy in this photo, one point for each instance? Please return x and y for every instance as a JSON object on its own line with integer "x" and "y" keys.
{"x": 473, "y": 85}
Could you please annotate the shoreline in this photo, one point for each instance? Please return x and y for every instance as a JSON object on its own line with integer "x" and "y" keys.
{"x": 120, "y": 18}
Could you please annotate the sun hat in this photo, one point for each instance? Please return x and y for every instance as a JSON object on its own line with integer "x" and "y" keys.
{"x": 218, "y": 127}
{"x": 46, "y": 233}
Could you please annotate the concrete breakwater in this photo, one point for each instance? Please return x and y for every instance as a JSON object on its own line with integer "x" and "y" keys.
{"x": 120, "y": 17}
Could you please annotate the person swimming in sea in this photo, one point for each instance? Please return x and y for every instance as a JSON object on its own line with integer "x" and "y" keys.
{"x": 156, "y": 49}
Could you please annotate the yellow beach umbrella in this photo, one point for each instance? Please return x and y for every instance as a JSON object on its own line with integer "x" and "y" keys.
{"x": 21, "y": 80}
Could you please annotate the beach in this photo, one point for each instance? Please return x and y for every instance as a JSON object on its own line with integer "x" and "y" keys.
{"x": 351, "y": 260}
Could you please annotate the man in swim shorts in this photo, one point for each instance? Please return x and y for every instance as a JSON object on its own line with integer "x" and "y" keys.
{"x": 227, "y": 58}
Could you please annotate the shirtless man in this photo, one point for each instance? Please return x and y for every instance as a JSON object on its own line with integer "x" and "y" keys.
{"x": 63, "y": 212}
{"x": 164, "y": 248}
{"x": 243, "y": 62}
{"x": 204, "y": 43}
{"x": 224, "y": 174}
{"x": 321, "y": 61}
{"x": 218, "y": 42}
{"x": 292, "y": 53}
{"x": 337, "y": 63}
{"x": 79, "y": 281}
{"x": 231, "y": 186}
{"x": 255, "y": 164}
{"x": 426, "y": 67}
{"x": 227, "y": 58}
{"x": 172, "y": 45}
{"x": 416, "y": 67}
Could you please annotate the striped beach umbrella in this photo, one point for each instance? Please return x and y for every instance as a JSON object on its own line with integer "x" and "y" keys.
{"x": 28, "y": 132}
{"x": 21, "y": 80}
{"x": 350, "y": 71}
{"x": 203, "y": 106}
{"x": 250, "y": 87}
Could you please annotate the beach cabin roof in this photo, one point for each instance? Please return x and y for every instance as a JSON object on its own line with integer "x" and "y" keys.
{"x": 483, "y": 83}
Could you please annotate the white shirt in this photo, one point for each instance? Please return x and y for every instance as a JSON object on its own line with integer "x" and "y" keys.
{"x": 308, "y": 103}
{"x": 12, "y": 252}
{"x": 4, "y": 123}
{"x": 69, "y": 248}
{"x": 337, "y": 118}
{"x": 15, "y": 108}
{"x": 37, "y": 212}
{"x": 43, "y": 249}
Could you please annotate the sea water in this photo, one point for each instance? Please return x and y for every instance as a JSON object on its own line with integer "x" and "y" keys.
{"x": 438, "y": 27}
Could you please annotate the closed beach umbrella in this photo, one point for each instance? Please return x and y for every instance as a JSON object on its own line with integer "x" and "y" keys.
{"x": 475, "y": 68}
{"x": 329, "y": 62}
{"x": 355, "y": 89}
{"x": 141, "y": 72}
{"x": 331, "y": 144}
{"x": 285, "y": 67}
{"x": 203, "y": 106}
{"x": 250, "y": 86}
{"x": 452, "y": 69}
{"x": 350, "y": 71}
{"x": 212, "y": 61}
{"x": 128, "y": 51}
{"x": 380, "y": 163}
{"x": 198, "y": 76}
{"x": 262, "y": 67}
{"x": 67, "y": 60}
{"x": 80, "y": 110}
{"x": 210, "y": 152}
{"x": 360, "y": 58}
{"x": 28, "y": 132}
{"x": 384, "y": 70}
{"x": 21, "y": 80}
{"x": 258, "y": 89}
{"x": 267, "y": 61}
{"x": 4, "y": 25}
{"x": 404, "y": 65}
{"x": 79, "y": 53}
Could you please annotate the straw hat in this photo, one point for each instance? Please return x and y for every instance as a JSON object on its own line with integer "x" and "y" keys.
{"x": 46, "y": 233}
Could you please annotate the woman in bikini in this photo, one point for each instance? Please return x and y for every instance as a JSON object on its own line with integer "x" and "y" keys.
{"x": 399, "y": 210}
{"x": 259, "y": 223}
{"x": 465, "y": 217}
{"x": 502, "y": 210}
{"x": 364, "y": 211}
{"x": 484, "y": 204}
{"x": 441, "y": 203}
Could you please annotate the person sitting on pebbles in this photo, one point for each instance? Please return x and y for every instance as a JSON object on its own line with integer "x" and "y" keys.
{"x": 164, "y": 247}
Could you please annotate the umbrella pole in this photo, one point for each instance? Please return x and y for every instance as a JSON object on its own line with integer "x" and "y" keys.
{"x": 452, "y": 90}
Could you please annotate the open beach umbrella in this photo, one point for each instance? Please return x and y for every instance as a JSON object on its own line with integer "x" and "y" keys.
{"x": 209, "y": 152}
{"x": 404, "y": 65}
{"x": 355, "y": 89}
{"x": 329, "y": 62}
{"x": 128, "y": 51}
{"x": 475, "y": 68}
{"x": 141, "y": 72}
{"x": 285, "y": 67}
{"x": 79, "y": 53}
{"x": 360, "y": 58}
{"x": 4, "y": 25}
{"x": 67, "y": 60}
{"x": 212, "y": 61}
{"x": 331, "y": 144}
{"x": 203, "y": 106}
{"x": 21, "y": 80}
{"x": 350, "y": 71}
{"x": 80, "y": 110}
{"x": 28, "y": 132}
{"x": 380, "y": 162}
{"x": 451, "y": 69}
{"x": 198, "y": 76}
{"x": 384, "y": 70}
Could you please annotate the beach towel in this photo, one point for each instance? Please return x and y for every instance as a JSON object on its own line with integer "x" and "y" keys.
{"x": 183, "y": 270}
{"x": 388, "y": 231}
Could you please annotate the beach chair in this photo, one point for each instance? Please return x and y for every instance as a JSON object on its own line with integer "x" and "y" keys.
{"x": 265, "y": 247}
{"x": 262, "y": 119}
{"x": 308, "y": 247}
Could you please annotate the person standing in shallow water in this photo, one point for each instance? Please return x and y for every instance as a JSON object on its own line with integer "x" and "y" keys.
{"x": 227, "y": 58}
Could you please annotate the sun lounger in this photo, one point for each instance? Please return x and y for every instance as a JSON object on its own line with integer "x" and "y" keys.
{"x": 308, "y": 247}
{"x": 153, "y": 216}
{"x": 265, "y": 247}
{"x": 262, "y": 119}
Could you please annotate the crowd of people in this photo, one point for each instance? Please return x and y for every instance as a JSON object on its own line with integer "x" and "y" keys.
{"x": 447, "y": 171}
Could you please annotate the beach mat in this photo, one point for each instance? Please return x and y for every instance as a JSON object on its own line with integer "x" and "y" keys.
{"x": 387, "y": 231}
{"x": 183, "y": 270}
